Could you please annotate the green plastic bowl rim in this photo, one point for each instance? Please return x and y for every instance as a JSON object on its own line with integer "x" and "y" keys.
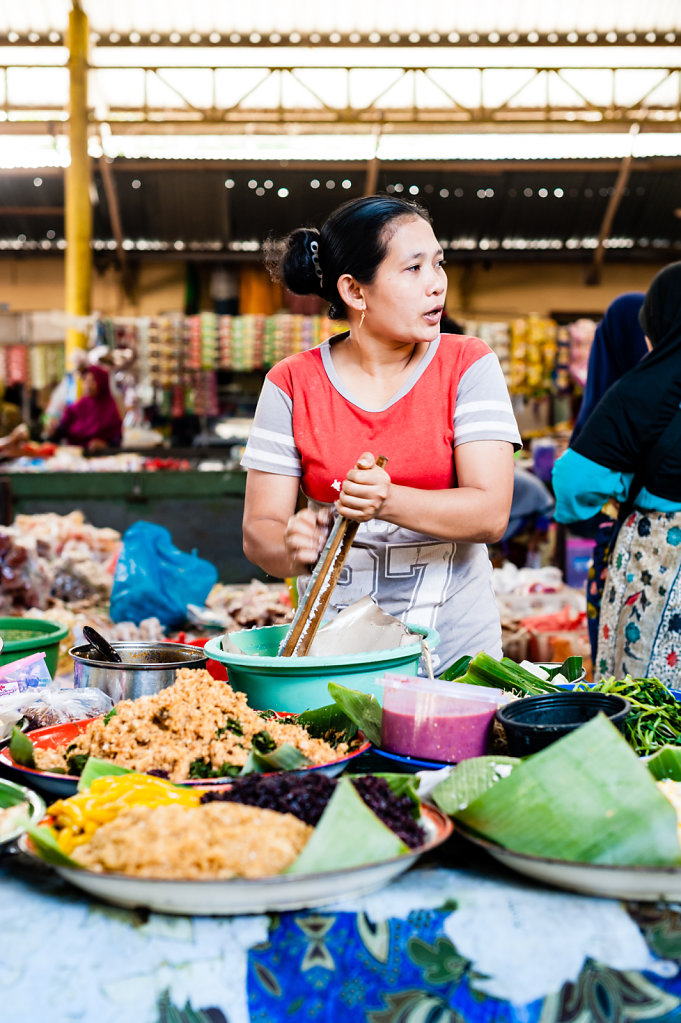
{"x": 215, "y": 651}
{"x": 51, "y": 632}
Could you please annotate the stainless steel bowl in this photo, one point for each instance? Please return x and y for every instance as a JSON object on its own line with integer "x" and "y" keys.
{"x": 146, "y": 667}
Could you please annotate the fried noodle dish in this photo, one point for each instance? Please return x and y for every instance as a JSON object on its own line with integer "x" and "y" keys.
{"x": 196, "y": 728}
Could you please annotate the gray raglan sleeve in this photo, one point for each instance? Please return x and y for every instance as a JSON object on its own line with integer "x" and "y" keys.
{"x": 483, "y": 408}
{"x": 270, "y": 446}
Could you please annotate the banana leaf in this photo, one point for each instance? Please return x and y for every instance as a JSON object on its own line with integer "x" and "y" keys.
{"x": 348, "y": 834}
{"x": 586, "y": 798}
{"x": 329, "y": 723}
{"x": 95, "y": 767}
{"x": 570, "y": 669}
{"x": 21, "y": 748}
{"x": 458, "y": 669}
{"x": 666, "y": 763}
{"x": 11, "y": 795}
{"x": 470, "y": 779}
{"x": 362, "y": 708}
{"x": 283, "y": 758}
{"x": 45, "y": 842}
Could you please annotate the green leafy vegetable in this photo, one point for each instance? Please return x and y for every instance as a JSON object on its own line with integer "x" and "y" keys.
{"x": 334, "y": 843}
{"x": 230, "y": 725}
{"x": 201, "y": 768}
{"x": 76, "y": 762}
{"x": 21, "y": 749}
{"x": 262, "y": 742}
{"x": 111, "y": 714}
{"x": 655, "y": 718}
{"x": 362, "y": 708}
{"x": 586, "y": 798}
{"x": 329, "y": 723}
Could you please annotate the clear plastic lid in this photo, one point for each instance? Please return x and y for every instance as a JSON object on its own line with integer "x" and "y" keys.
{"x": 417, "y": 686}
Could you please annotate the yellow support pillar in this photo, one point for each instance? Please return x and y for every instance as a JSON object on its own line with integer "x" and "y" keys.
{"x": 78, "y": 216}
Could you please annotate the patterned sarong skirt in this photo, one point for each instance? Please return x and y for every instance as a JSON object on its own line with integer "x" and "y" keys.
{"x": 640, "y": 621}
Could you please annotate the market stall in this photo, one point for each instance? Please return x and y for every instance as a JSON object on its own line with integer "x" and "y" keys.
{"x": 228, "y": 799}
{"x": 201, "y": 508}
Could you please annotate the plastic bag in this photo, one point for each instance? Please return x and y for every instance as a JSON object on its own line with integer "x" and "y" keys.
{"x": 29, "y": 672}
{"x": 51, "y": 706}
{"x": 153, "y": 577}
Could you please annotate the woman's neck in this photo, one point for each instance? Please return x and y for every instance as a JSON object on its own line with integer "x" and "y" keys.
{"x": 378, "y": 359}
{"x": 375, "y": 373}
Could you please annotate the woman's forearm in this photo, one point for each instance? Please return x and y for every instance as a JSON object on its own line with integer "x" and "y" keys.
{"x": 264, "y": 545}
{"x": 465, "y": 514}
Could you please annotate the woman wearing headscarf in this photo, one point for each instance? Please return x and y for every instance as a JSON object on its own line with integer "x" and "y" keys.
{"x": 93, "y": 422}
{"x": 629, "y": 451}
{"x": 618, "y": 345}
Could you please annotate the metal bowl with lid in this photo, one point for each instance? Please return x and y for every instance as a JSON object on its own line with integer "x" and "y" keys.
{"x": 145, "y": 668}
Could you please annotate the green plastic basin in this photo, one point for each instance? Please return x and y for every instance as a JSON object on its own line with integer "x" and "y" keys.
{"x": 296, "y": 684}
{"x": 24, "y": 636}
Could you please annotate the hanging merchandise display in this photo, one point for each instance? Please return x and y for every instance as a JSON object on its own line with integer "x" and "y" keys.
{"x": 533, "y": 355}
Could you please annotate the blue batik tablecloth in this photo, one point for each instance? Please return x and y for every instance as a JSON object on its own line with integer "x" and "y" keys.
{"x": 443, "y": 944}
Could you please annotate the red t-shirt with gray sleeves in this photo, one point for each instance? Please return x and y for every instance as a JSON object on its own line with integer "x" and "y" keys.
{"x": 308, "y": 424}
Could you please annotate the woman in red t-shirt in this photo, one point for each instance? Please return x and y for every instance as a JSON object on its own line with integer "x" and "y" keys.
{"x": 435, "y": 405}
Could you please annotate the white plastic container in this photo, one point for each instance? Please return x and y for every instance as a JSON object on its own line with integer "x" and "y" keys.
{"x": 437, "y": 720}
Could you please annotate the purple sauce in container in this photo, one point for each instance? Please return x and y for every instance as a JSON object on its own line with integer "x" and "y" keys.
{"x": 436, "y": 720}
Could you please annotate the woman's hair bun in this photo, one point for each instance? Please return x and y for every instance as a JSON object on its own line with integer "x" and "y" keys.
{"x": 295, "y": 260}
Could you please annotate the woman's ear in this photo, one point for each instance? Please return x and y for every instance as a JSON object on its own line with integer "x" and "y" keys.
{"x": 351, "y": 292}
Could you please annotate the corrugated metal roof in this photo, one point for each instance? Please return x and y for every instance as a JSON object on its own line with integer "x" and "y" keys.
{"x": 41, "y": 152}
{"x": 363, "y": 18}
{"x": 500, "y": 212}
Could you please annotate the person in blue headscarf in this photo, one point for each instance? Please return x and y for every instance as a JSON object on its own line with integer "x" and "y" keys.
{"x": 618, "y": 345}
{"x": 629, "y": 451}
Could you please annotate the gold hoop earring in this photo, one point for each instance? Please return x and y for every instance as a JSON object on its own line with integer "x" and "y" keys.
{"x": 361, "y": 319}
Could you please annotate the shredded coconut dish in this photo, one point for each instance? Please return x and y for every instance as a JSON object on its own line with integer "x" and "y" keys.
{"x": 196, "y": 728}
{"x": 143, "y": 826}
{"x": 215, "y": 840}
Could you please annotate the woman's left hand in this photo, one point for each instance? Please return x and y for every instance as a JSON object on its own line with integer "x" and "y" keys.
{"x": 365, "y": 490}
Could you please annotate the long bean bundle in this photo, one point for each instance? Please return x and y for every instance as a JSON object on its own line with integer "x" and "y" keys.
{"x": 655, "y": 718}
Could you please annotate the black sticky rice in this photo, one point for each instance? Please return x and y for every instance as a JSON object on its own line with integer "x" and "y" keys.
{"x": 306, "y": 796}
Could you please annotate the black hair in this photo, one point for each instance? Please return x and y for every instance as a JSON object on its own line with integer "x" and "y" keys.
{"x": 353, "y": 240}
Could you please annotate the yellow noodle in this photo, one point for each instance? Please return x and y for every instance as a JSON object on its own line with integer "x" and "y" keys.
{"x": 77, "y": 818}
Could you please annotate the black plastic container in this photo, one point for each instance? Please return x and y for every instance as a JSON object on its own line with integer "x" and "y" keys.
{"x": 535, "y": 722}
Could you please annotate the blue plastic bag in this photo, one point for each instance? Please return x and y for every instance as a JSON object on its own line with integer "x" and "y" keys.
{"x": 153, "y": 578}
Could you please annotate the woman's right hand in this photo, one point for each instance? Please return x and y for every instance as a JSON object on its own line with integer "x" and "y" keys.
{"x": 305, "y": 535}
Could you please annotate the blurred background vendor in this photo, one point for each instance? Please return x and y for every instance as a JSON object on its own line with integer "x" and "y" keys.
{"x": 93, "y": 422}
